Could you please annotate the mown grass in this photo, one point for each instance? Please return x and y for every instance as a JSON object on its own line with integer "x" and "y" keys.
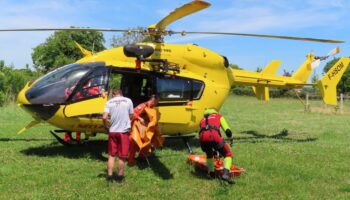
{"x": 287, "y": 154}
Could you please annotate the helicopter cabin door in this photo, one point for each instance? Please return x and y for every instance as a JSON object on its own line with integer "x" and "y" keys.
{"x": 176, "y": 95}
{"x": 87, "y": 97}
{"x": 138, "y": 86}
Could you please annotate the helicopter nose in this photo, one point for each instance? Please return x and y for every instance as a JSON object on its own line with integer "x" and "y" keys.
{"x": 37, "y": 111}
{"x": 21, "y": 98}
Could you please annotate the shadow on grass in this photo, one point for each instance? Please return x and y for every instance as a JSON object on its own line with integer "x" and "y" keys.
{"x": 255, "y": 137}
{"x": 160, "y": 169}
{"x": 156, "y": 165}
{"x": 95, "y": 148}
{"x": 92, "y": 149}
{"x": 280, "y": 137}
{"x": 24, "y": 139}
{"x": 179, "y": 144}
{"x": 199, "y": 173}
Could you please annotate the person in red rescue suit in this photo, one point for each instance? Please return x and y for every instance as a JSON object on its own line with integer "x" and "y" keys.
{"x": 140, "y": 114}
{"x": 90, "y": 91}
{"x": 211, "y": 141}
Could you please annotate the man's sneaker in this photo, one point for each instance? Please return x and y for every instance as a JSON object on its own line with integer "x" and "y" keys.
{"x": 109, "y": 180}
{"x": 119, "y": 179}
{"x": 226, "y": 176}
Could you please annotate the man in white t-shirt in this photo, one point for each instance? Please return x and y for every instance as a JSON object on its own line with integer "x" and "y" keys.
{"x": 120, "y": 110}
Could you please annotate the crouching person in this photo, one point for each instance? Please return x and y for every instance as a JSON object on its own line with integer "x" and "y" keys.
{"x": 120, "y": 111}
{"x": 211, "y": 141}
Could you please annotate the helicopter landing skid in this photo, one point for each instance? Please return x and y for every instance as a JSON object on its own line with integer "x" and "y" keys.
{"x": 185, "y": 139}
{"x": 60, "y": 140}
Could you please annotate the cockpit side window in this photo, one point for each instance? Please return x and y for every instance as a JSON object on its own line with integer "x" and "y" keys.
{"x": 91, "y": 86}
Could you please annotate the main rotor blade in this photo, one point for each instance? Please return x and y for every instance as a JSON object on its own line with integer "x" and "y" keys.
{"x": 70, "y": 29}
{"x": 181, "y": 12}
{"x": 261, "y": 35}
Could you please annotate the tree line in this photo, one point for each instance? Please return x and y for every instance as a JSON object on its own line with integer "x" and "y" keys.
{"x": 12, "y": 81}
{"x": 60, "y": 49}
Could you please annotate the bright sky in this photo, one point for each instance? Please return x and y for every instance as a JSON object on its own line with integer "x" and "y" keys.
{"x": 328, "y": 19}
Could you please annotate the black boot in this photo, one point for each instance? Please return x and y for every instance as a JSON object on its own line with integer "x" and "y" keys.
{"x": 226, "y": 176}
{"x": 119, "y": 179}
{"x": 211, "y": 175}
{"x": 109, "y": 180}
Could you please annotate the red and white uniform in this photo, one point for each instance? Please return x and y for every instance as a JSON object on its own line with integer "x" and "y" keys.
{"x": 210, "y": 137}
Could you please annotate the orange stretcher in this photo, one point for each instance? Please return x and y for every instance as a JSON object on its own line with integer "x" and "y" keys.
{"x": 144, "y": 137}
{"x": 200, "y": 161}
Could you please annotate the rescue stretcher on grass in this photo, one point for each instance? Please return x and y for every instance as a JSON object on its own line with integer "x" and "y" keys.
{"x": 200, "y": 162}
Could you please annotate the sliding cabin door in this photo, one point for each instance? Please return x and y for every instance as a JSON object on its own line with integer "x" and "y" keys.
{"x": 176, "y": 96}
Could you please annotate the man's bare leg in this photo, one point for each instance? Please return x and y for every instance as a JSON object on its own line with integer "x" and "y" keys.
{"x": 121, "y": 166}
{"x": 110, "y": 165}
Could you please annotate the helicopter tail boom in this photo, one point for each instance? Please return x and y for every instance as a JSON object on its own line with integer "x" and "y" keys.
{"x": 262, "y": 81}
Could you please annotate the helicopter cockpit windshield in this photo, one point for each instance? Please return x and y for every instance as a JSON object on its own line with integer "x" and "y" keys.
{"x": 57, "y": 86}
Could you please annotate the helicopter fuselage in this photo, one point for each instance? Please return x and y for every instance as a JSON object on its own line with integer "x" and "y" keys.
{"x": 72, "y": 98}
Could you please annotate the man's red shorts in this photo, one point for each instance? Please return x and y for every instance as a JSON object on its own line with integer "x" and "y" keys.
{"x": 118, "y": 144}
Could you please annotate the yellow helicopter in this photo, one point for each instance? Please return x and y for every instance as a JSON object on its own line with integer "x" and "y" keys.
{"x": 187, "y": 78}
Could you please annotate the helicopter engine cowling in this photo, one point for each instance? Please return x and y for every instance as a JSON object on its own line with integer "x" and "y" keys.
{"x": 138, "y": 51}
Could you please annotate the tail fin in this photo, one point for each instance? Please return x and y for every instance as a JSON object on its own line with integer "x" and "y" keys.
{"x": 261, "y": 92}
{"x": 328, "y": 84}
{"x": 304, "y": 71}
{"x": 272, "y": 67}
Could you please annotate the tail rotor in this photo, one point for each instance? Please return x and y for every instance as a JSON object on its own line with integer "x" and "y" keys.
{"x": 318, "y": 59}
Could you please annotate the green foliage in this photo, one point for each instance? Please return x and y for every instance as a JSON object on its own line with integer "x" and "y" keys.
{"x": 115, "y": 81}
{"x": 242, "y": 90}
{"x": 287, "y": 73}
{"x": 315, "y": 78}
{"x": 344, "y": 83}
{"x": 59, "y": 49}
{"x": 2, "y": 65}
{"x": 12, "y": 81}
{"x": 234, "y": 66}
{"x": 2, "y": 98}
{"x": 129, "y": 38}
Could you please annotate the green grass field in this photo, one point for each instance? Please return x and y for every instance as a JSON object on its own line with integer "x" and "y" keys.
{"x": 311, "y": 160}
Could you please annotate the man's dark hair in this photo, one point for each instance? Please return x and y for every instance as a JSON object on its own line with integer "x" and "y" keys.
{"x": 117, "y": 92}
